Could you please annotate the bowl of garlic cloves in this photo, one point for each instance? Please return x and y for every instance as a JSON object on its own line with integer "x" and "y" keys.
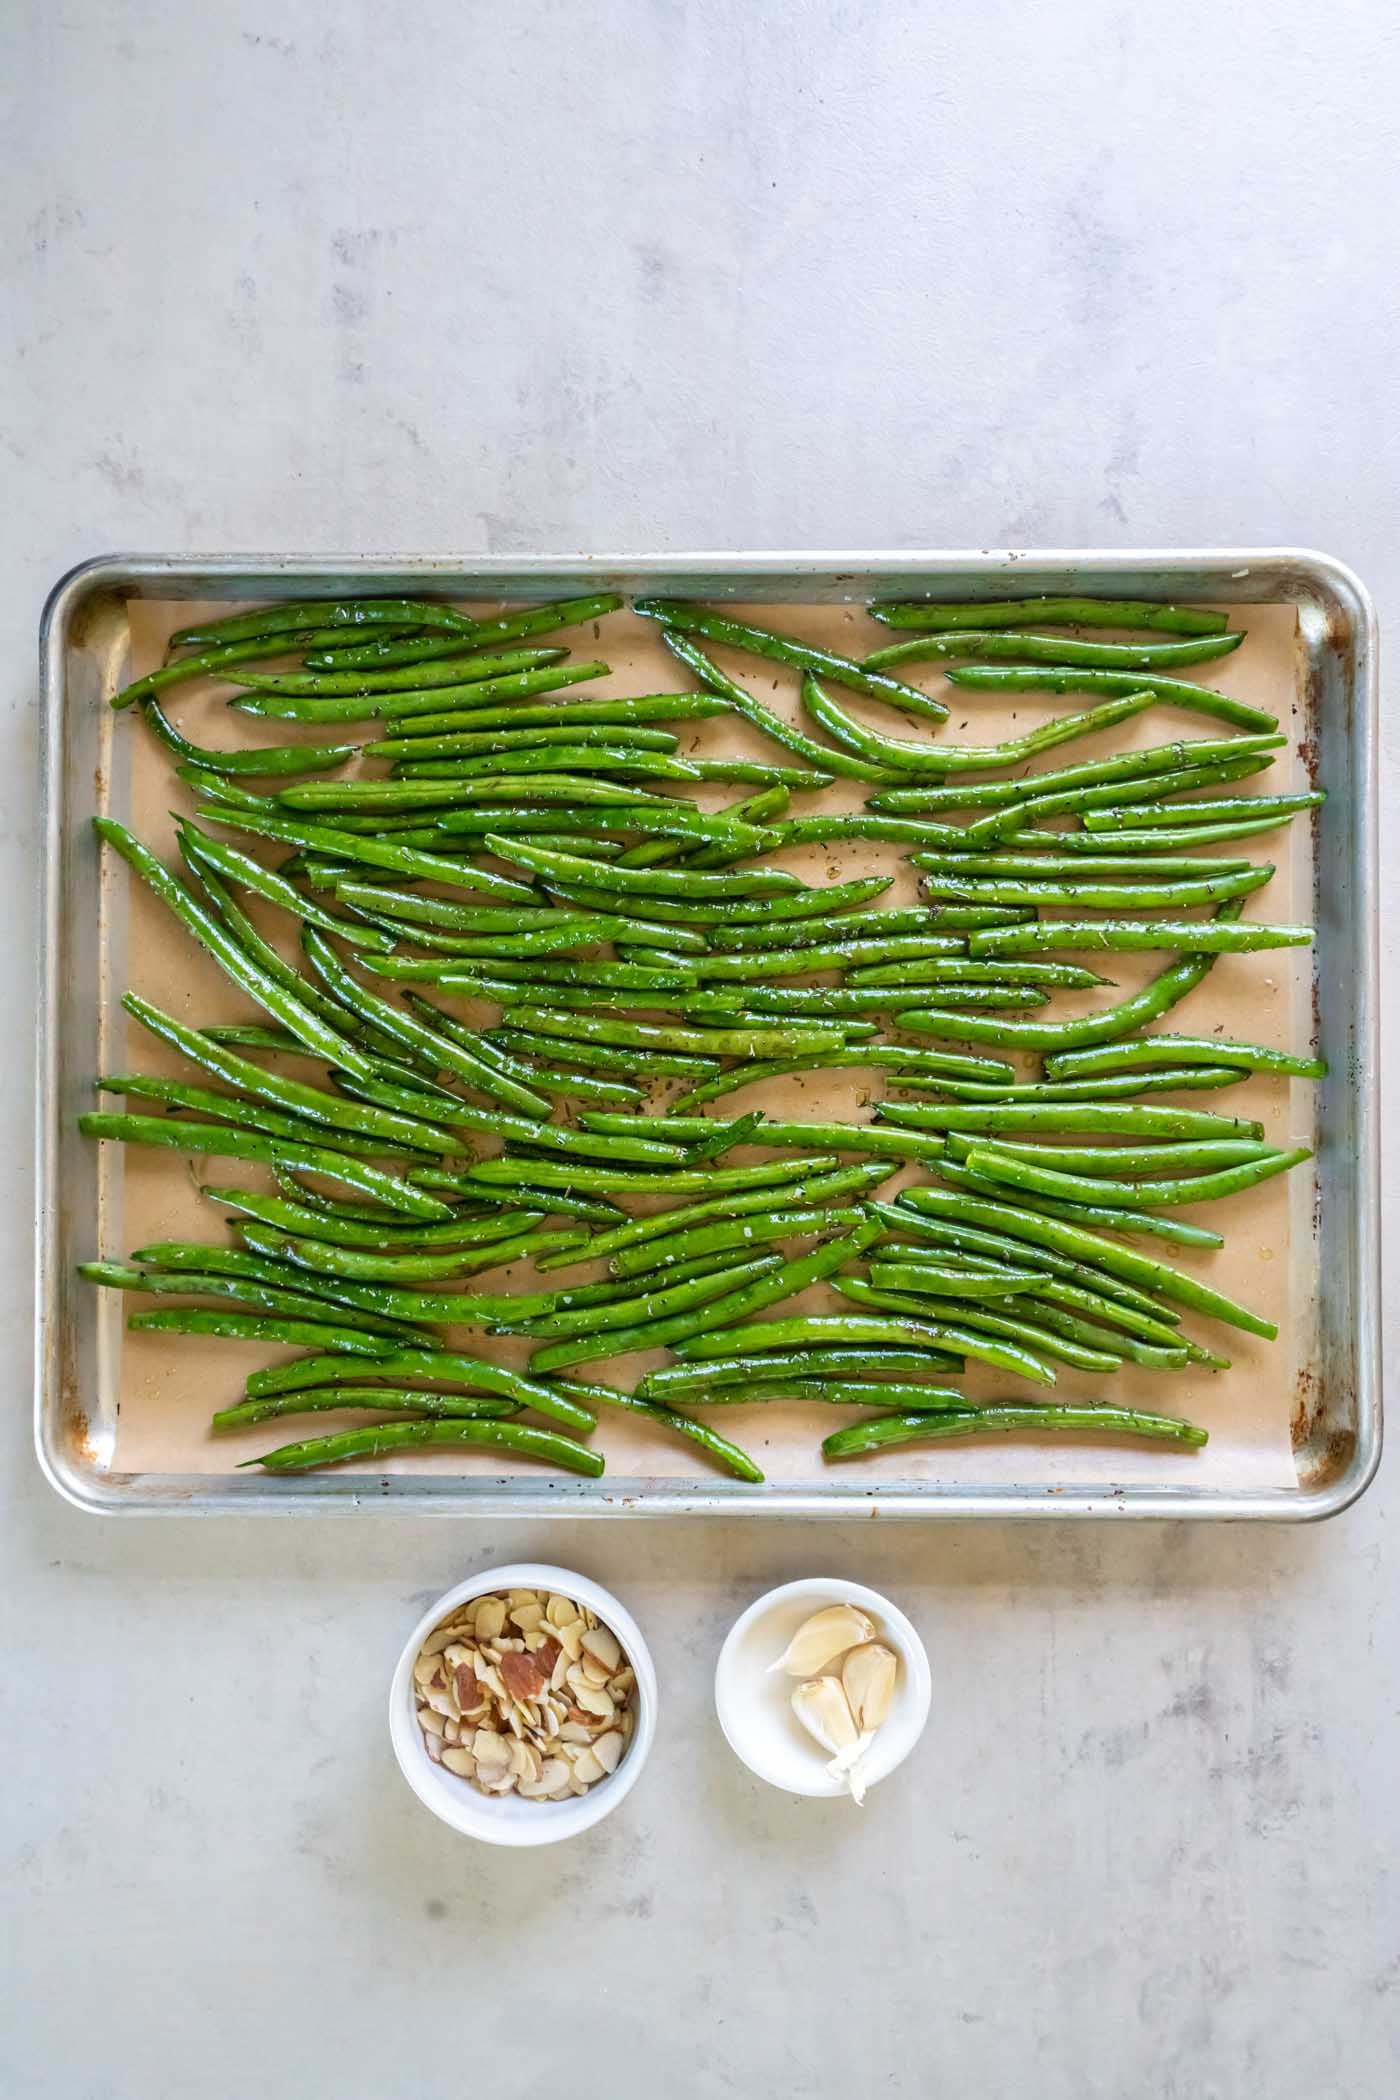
{"x": 822, "y": 1688}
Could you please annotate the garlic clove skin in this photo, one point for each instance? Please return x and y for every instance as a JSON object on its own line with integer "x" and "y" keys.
{"x": 868, "y": 1677}
{"x": 819, "y": 1640}
{"x": 824, "y": 1711}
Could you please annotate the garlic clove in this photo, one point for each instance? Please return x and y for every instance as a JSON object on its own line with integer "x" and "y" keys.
{"x": 868, "y": 1677}
{"x": 823, "y": 1710}
{"x": 822, "y": 1638}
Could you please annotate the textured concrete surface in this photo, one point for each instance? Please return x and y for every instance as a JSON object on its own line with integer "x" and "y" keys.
{"x": 580, "y": 276}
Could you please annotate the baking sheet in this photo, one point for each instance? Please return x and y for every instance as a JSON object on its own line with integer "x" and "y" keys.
{"x": 169, "y": 1385}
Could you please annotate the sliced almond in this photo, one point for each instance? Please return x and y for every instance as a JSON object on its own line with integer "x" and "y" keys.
{"x": 435, "y": 1643}
{"x": 461, "y": 1762}
{"x": 594, "y": 1700}
{"x": 431, "y": 1723}
{"x": 571, "y": 1639}
{"x": 527, "y": 1616}
{"x": 515, "y": 1598}
{"x": 608, "y": 1749}
{"x": 575, "y": 1732}
{"x": 586, "y": 1766}
{"x": 433, "y": 1748}
{"x": 490, "y": 1618}
{"x": 560, "y": 1611}
{"x": 603, "y": 1644}
{"x": 425, "y": 1668}
{"x": 594, "y": 1672}
{"x": 559, "y": 1671}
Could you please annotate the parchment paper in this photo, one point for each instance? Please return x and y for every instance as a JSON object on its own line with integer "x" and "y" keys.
{"x": 168, "y": 1385}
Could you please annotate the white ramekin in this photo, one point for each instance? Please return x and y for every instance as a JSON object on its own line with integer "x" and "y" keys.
{"x": 506, "y": 1819}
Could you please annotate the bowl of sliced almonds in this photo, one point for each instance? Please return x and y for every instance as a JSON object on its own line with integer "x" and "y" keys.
{"x": 524, "y": 1705}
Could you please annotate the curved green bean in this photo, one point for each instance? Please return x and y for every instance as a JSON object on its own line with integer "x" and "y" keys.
{"x": 990, "y": 646}
{"x": 413, "y": 753}
{"x": 340, "y": 844}
{"x": 253, "y": 1291}
{"x": 785, "y": 1040}
{"x": 508, "y": 1171}
{"x": 313, "y": 1223}
{"x": 470, "y": 667}
{"x": 681, "y": 615}
{"x": 390, "y": 1400}
{"x": 1178, "y": 692}
{"x": 899, "y": 755}
{"x": 276, "y": 760}
{"x": 1181, "y": 1050}
{"x": 1223, "y": 810}
{"x": 928, "y": 615}
{"x": 937, "y": 1281}
{"x": 1020, "y": 1173}
{"x": 1140, "y": 935}
{"x": 1011, "y": 822}
{"x": 908, "y": 1215}
{"x": 215, "y": 662}
{"x": 978, "y": 1320}
{"x": 636, "y": 1244}
{"x": 744, "y": 911}
{"x": 330, "y": 613}
{"x": 389, "y": 1437}
{"x": 710, "y": 1383}
{"x": 849, "y": 1329}
{"x": 1148, "y": 1224}
{"x": 763, "y": 718}
{"x": 428, "y": 1365}
{"x": 886, "y": 1430}
{"x": 234, "y": 866}
{"x": 338, "y": 1337}
{"x": 548, "y": 677}
{"x": 225, "y": 1142}
{"x": 620, "y": 1315}
{"x": 688, "y": 883}
{"x": 1155, "y": 759}
{"x": 747, "y": 963}
{"x": 710, "y": 1441}
{"x": 506, "y": 627}
{"x": 1167, "y": 1157}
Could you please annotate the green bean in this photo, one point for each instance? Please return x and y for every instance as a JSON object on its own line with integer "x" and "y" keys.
{"x": 616, "y": 1181}
{"x": 1087, "y": 1334}
{"x": 680, "y": 615}
{"x": 543, "y": 974}
{"x": 284, "y": 1006}
{"x": 181, "y": 1265}
{"x": 355, "y": 846}
{"x": 749, "y": 772}
{"x": 1197, "y": 1154}
{"x": 319, "y": 1225}
{"x": 641, "y": 1243}
{"x": 1106, "y": 896}
{"x": 521, "y": 1130}
{"x": 223, "y": 1142}
{"x": 729, "y": 1455}
{"x": 414, "y": 754}
{"x": 1113, "y": 1087}
{"x": 836, "y": 1393}
{"x": 835, "y": 825}
{"x": 745, "y": 911}
{"x": 1222, "y": 810}
{"x": 620, "y": 711}
{"x": 983, "y": 646}
{"x": 251, "y": 1035}
{"x": 1130, "y": 1014}
{"x": 763, "y": 1002}
{"x": 443, "y": 795}
{"x": 696, "y": 884}
{"x": 496, "y": 920}
{"x": 601, "y": 1057}
{"x": 772, "y": 1041}
{"x": 1030, "y": 864}
{"x": 502, "y": 1310}
{"x": 259, "y": 1327}
{"x": 1077, "y": 1241}
{"x": 757, "y": 809}
{"x": 1155, "y": 759}
{"x": 389, "y": 1437}
{"x": 883, "y": 1431}
{"x": 956, "y": 970}
{"x": 252, "y": 1292}
{"x": 849, "y": 1329}
{"x": 761, "y": 1284}
{"x": 390, "y": 1400}
{"x": 543, "y": 619}
{"x": 749, "y": 963}
{"x": 838, "y": 1137}
{"x": 234, "y": 866}
{"x": 901, "y": 756}
{"x": 400, "y": 1129}
{"x": 517, "y": 675}
{"x": 934, "y": 616}
{"x": 215, "y": 662}
{"x": 480, "y": 692}
{"x": 1012, "y": 822}
{"x": 1022, "y": 1174}
{"x": 558, "y": 756}
{"x": 1177, "y": 692}
{"x": 1187, "y": 839}
{"x": 507, "y": 1083}
{"x": 327, "y": 613}
{"x": 870, "y": 1057}
{"x": 421, "y": 1366}
{"x": 977, "y": 1319}
{"x": 603, "y": 1093}
{"x": 469, "y": 667}
{"x": 770, "y": 725}
{"x": 1141, "y": 935}
{"x": 620, "y": 1314}
{"x": 915, "y": 1261}
{"x": 909, "y": 1215}
{"x": 938, "y": 1282}
{"x": 1147, "y": 1224}
{"x": 870, "y": 925}
{"x": 633, "y": 812}
{"x": 278, "y": 759}
{"x": 721, "y": 1233}
{"x": 715, "y": 1383}
{"x": 524, "y": 1077}
{"x": 1181, "y": 1050}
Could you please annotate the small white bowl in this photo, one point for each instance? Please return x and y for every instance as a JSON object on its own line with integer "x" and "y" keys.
{"x": 754, "y": 1702}
{"x": 506, "y": 1819}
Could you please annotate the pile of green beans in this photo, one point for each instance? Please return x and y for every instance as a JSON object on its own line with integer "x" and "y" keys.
{"x": 559, "y": 863}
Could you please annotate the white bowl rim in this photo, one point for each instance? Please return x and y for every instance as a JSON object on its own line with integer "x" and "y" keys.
{"x": 477, "y": 1815}
{"x": 882, "y": 1758}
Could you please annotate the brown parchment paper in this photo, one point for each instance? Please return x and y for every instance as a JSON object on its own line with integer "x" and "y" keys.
{"x": 168, "y": 1385}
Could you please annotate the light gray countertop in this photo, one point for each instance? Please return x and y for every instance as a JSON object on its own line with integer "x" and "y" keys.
{"x": 570, "y": 277}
